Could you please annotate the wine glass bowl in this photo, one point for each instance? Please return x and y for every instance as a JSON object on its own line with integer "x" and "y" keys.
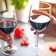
{"x": 38, "y": 25}
{"x": 7, "y": 25}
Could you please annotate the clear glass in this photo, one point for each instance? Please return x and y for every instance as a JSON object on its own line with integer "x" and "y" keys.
{"x": 44, "y": 6}
{"x": 36, "y": 25}
{"x": 8, "y": 18}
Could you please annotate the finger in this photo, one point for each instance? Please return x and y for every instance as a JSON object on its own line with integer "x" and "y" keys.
{"x": 0, "y": 37}
{"x": 40, "y": 12}
{"x": 32, "y": 29}
{"x": 35, "y": 16}
{"x": 10, "y": 40}
{"x": 6, "y": 37}
{"x": 3, "y": 34}
{"x": 52, "y": 19}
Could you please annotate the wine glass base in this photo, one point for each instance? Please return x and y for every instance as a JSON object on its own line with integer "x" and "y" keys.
{"x": 39, "y": 46}
{"x": 9, "y": 51}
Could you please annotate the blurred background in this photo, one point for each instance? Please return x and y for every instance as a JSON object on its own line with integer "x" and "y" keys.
{"x": 6, "y": 5}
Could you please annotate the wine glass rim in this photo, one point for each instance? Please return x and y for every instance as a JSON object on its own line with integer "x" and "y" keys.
{"x": 39, "y": 22}
{"x": 49, "y": 6}
{"x": 8, "y": 21}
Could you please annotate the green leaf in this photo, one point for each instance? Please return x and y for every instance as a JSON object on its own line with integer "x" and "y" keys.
{"x": 19, "y": 4}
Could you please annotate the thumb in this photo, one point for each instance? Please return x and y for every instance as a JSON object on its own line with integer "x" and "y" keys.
{"x": 0, "y": 37}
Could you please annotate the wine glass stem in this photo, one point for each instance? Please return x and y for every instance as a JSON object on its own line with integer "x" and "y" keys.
{"x": 10, "y": 42}
{"x": 37, "y": 38}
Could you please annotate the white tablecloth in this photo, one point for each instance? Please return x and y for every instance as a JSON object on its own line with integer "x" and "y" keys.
{"x": 46, "y": 51}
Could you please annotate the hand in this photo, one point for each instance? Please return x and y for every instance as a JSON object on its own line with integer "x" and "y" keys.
{"x": 40, "y": 12}
{"x": 51, "y": 29}
{"x": 5, "y": 37}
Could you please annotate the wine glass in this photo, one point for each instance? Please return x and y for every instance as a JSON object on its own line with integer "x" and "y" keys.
{"x": 7, "y": 25}
{"x": 39, "y": 22}
{"x": 44, "y": 6}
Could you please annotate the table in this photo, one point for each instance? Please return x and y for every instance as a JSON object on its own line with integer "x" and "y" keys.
{"x": 30, "y": 50}
{"x": 46, "y": 51}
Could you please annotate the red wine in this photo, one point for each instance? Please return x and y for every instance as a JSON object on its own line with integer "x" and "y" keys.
{"x": 7, "y": 26}
{"x": 39, "y": 23}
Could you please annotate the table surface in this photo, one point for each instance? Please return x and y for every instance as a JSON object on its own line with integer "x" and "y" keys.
{"x": 47, "y": 51}
{"x": 30, "y": 50}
